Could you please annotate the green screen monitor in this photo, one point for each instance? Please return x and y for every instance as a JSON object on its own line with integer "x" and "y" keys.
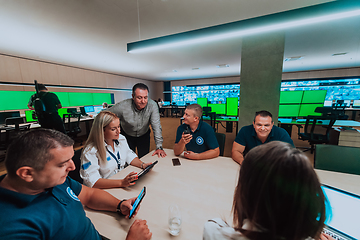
{"x": 30, "y": 116}
{"x": 62, "y": 111}
{"x": 314, "y": 96}
{"x": 289, "y": 110}
{"x": 220, "y": 109}
{"x": 202, "y": 102}
{"x": 309, "y": 109}
{"x": 232, "y": 106}
{"x": 291, "y": 97}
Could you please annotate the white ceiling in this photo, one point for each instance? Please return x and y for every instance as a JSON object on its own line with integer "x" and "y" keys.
{"x": 93, "y": 34}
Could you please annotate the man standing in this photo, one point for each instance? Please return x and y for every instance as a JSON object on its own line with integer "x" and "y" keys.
{"x": 39, "y": 201}
{"x": 199, "y": 137}
{"x": 50, "y": 117}
{"x": 136, "y": 114}
{"x": 261, "y": 131}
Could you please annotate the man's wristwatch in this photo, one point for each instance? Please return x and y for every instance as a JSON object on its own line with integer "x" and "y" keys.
{"x": 161, "y": 148}
{"x": 118, "y": 208}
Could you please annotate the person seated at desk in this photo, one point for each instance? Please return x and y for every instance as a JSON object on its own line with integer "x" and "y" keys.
{"x": 261, "y": 131}
{"x": 39, "y": 201}
{"x": 106, "y": 152}
{"x": 201, "y": 142}
{"x": 278, "y": 196}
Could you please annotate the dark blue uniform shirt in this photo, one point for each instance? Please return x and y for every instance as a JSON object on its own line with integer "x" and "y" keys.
{"x": 248, "y": 138}
{"x": 203, "y": 139}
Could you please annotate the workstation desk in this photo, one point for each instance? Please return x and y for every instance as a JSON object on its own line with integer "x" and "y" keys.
{"x": 202, "y": 189}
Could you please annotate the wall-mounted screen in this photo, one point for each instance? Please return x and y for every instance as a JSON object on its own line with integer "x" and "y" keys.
{"x": 309, "y": 109}
{"x": 289, "y": 110}
{"x": 312, "y": 96}
{"x": 291, "y": 97}
{"x": 202, "y": 102}
{"x": 232, "y": 106}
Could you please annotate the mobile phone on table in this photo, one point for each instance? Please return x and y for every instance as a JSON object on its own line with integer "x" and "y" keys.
{"x": 137, "y": 202}
{"x": 187, "y": 130}
{"x": 176, "y": 162}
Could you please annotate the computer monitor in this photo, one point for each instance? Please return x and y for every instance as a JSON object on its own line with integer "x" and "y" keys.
{"x": 219, "y": 109}
{"x": 309, "y": 109}
{"x": 203, "y": 102}
{"x": 356, "y": 104}
{"x": 5, "y": 115}
{"x": 98, "y": 108}
{"x": 30, "y": 116}
{"x": 166, "y": 103}
{"x": 291, "y": 97}
{"x": 232, "y": 106}
{"x": 62, "y": 111}
{"x": 71, "y": 110}
{"x": 289, "y": 110}
{"x": 89, "y": 109}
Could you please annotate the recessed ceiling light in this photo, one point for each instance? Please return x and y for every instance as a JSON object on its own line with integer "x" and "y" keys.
{"x": 293, "y": 58}
{"x": 223, "y": 66}
{"x": 339, "y": 54}
{"x": 195, "y": 68}
{"x": 174, "y": 70}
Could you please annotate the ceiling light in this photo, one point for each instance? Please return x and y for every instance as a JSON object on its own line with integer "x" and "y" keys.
{"x": 293, "y": 58}
{"x": 329, "y": 11}
{"x": 195, "y": 68}
{"x": 223, "y": 66}
{"x": 339, "y": 54}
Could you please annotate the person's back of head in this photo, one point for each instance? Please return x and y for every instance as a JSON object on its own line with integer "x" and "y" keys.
{"x": 32, "y": 149}
{"x": 41, "y": 87}
{"x": 279, "y": 194}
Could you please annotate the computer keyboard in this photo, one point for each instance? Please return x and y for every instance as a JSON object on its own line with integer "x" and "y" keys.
{"x": 333, "y": 234}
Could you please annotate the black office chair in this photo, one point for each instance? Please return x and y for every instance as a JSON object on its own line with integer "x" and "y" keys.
{"x": 316, "y": 135}
{"x": 212, "y": 116}
{"x": 339, "y": 110}
{"x": 12, "y": 132}
{"x": 72, "y": 128}
{"x": 221, "y": 140}
{"x": 75, "y": 174}
{"x": 175, "y": 111}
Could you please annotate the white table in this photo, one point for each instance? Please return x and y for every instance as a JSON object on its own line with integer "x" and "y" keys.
{"x": 202, "y": 189}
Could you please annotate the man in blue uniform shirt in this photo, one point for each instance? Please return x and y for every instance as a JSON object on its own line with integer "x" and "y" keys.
{"x": 261, "y": 131}
{"x": 201, "y": 141}
{"x": 39, "y": 201}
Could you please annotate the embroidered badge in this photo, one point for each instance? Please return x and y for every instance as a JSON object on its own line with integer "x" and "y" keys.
{"x": 72, "y": 194}
{"x": 199, "y": 140}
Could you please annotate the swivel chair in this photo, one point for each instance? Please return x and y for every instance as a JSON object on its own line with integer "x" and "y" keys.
{"x": 72, "y": 128}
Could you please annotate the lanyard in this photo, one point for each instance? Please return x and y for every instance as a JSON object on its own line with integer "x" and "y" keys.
{"x": 117, "y": 159}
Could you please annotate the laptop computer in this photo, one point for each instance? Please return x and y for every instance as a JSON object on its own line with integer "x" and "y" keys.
{"x": 343, "y": 213}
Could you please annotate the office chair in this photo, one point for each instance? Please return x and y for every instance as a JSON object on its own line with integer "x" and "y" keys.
{"x": 175, "y": 110}
{"x": 212, "y": 116}
{"x": 12, "y": 132}
{"x": 220, "y": 137}
{"x": 337, "y": 158}
{"x": 312, "y": 134}
{"x": 72, "y": 128}
{"x": 75, "y": 174}
{"x": 339, "y": 110}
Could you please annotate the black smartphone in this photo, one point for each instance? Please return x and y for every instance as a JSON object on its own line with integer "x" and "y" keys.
{"x": 176, "y": 162}
{"x": 137, "y": 202}
{"x": 187, "y": 130}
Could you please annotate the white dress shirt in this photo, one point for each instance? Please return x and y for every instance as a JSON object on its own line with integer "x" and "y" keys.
{"x": 92, "y": 169}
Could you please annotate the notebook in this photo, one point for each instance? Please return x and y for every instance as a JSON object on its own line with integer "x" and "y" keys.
{"x": 342, "y": 220}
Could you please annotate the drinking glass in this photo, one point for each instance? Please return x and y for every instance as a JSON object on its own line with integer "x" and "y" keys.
{"x": 174, "y": 220}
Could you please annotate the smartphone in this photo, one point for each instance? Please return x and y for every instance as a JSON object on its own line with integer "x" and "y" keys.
{"x": 187, "y": 130}
{"x": 137, "y": 202}
{"x": 176, "y": 162}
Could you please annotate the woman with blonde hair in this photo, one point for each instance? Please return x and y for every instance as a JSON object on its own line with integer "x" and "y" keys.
{"x": 107, "y": 152}
{"x": 278, "y": 197}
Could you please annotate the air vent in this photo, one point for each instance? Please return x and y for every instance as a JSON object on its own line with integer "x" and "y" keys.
{"x": 195, "y": 68}
{"x": 223, "y": 66}
{"x": 339, "y": 54}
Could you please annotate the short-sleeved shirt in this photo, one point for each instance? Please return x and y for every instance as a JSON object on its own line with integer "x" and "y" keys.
{"x": 248, "y": 137}
{"x": 204, "y": 138}
{"x": 54, "y": 214}
{"x": 50, "y": 100}
{"x": 92, "y": 168}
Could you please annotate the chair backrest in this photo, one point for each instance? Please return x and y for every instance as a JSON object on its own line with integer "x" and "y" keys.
{"x": 337, "y": 158}
{"x": 72, "y": 127}
{"x": 76, "y": 173}
{"x": 312, "y": 121}
{"x": 221, "y": 140}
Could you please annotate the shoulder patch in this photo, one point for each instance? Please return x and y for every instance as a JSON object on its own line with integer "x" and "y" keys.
{"x": 86, "y": 165}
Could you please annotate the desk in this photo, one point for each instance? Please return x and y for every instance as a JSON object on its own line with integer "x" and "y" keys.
{"x": 168, "y": 109}
{"x": 202, "y": 189}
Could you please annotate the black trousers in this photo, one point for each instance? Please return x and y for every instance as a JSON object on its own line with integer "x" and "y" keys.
{"x": 142, "y": 143}
{"x": 52, "y": 121}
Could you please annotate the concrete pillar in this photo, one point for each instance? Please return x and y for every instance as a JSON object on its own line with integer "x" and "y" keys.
{"x": 260, "y": 76}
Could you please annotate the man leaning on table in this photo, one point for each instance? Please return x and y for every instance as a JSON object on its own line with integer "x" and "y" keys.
{"x": 39, "y": 201}
{"x": 201, "y": 142}
{"x": 261, "y": 131}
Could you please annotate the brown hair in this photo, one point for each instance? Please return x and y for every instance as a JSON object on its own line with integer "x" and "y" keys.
{"x": 32, "y": 149}
{"x": 279, "y": 193}
{"x": 197, "y": 109}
